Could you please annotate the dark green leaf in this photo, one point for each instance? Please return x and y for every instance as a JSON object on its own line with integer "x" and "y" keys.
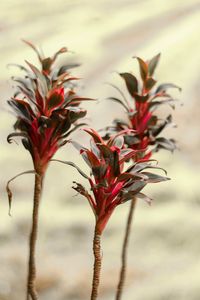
{"x": 34, "y": 48}
{"x": 168, "y": 144}
{"x": 127, "y": 156}
{"x": 137, "y": 186}
{"x": 127, "y": 195}
{"x": 106, "y": 152}
{"x": 65, "y": 68}
{"x": 124, "y": 177}
{"x": 20, "y": 67}
{"x": 153, "y": 64}
{"x": 22, "y": 109}
{"x": 55, "y": 100}
{"x": 95, "y": 135}
{"x": 116, "y": 165}
{"x": 27, "y": 144}
{"x": 118, "y": 142}
{"x": 74, "y": 115}
{"x": 165, "y": 86}
{"x": 120, "y": 102}
{"x": 99, "y": 171}
{"x": 8, "y": 190}
{"x": 131, "y": 82}
{"x": 120, "y": 92}
{"x": 78, "y": 146}
{"x": 73, "y": 165}
{"x": 46, "y": 64}
{"x": 42, "y": 84}
{"x": 77, "y": 100}
{"x": 140, "y": 166}
{"x": 62, "y": 50}
{"x": 16, "y": 134}
{"x": 140, "y": 98}
{"x": 73, "y": 129}
{"x": 144, "y": 197}
{"x": 154, "y": 178}
{"x": 94, "y": 148}
{"x": 150, "y": 82}
{"x": 143, "y": 68}
{"x": 131, "y": 140}
{"x": 155, "y": 104}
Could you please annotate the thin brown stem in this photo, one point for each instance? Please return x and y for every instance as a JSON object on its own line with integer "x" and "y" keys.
{"x": 97, "y": 264}
{"x": 31, "y": 290}
{"x": 124, "y": 251}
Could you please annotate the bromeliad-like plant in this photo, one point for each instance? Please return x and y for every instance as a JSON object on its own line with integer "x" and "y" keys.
{"x": 112, "y": 183}
{"x": 47, "y": 111}
{"x": 145, "y": 98}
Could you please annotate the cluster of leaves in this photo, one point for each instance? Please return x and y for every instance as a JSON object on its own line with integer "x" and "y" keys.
{"x": 141, "y": 117}
{"x": 111, "y": 182}
{"x": 46, "y": 106}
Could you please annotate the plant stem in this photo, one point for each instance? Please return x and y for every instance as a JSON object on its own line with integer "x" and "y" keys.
{"x": 125, "y": 250}
{"x": 97, "y": 264}
{"x": 31, "y": 290}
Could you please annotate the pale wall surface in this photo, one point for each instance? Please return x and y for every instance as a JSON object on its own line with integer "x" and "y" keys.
{"x": 164, "y": 259}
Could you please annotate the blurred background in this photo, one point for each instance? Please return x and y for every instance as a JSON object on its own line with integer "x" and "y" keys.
{"x": 164, "y": 249}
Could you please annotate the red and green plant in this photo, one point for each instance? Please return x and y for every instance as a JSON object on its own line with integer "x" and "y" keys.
{"x": 47, "y": 110}
{"x": 142, "y": 118}
{"x": 112, "y": 183}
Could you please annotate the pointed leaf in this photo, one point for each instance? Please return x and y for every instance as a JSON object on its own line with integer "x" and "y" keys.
{"x": 119, "y": 101}
{"x": 40, "y": 79}
{"x": 144, "y": 197}
{"x": 16, "y": 134}
{"x": 150, "y": 82}
{"x": 141, "y": 99}
{"x": 137, "y": 186}
{"x": 128, "y": 156}
{"x": 124, "y": 177}
{"x": 168, "y": 144}
{"x": 73, "y": 165}
{"x": 116, "y": 164}
{"x": 153, "y": 64}
{"x": 55, "y": 99}
{"x": 95, "y": 135}
{"x": 154, "y": 178}
{"x": 78, "y": 146}
{"x": 8, "y": 190}
{"x": 34, "y": 48}
{"x": 143, "y": 165}
{"x": 62, "y": 50}
{"x": 120, "y": 92}
{"x": 118, "y": 142}
{"x": 65, "y": 68}
{"x": 73, "y": 129}
{"x": 165, "y": 86}
{"x": 131, "y": 82}
{"x": 143, "y": 68}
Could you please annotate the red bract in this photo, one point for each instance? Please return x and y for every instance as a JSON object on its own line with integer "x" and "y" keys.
{"x": 111, "y": 183}
{"x": 145, "y": 98}
{"x": 46, "y": 106}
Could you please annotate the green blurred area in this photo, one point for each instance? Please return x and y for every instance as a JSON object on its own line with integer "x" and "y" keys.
{"x": 164, "y": 247}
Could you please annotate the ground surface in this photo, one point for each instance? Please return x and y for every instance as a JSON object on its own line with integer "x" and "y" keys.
{"x": 164, "y": 248}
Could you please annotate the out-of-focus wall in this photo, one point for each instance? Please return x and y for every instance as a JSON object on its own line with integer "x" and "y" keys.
{"x": 104, "y": 36}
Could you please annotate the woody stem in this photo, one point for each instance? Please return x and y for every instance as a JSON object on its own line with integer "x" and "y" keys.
{"x": 122, "y": 276}
{"x": 97, "y": 264}
{"x": 31, "y": 290}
